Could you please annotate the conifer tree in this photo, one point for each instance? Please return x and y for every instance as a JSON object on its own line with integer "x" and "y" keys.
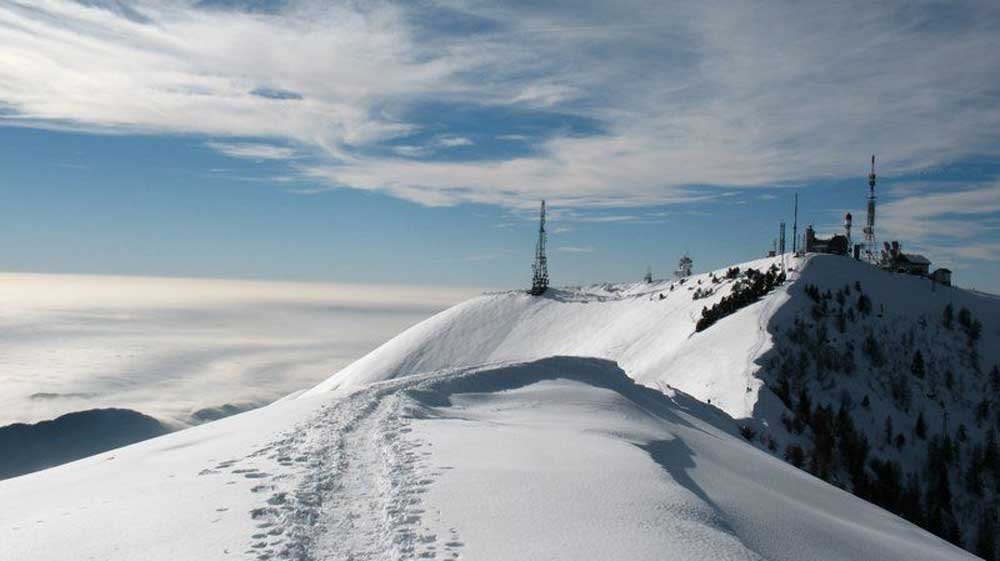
{"x": 921, "y": 427}
{"x": 986, "y": 538}
{"x": 917, "y": 366}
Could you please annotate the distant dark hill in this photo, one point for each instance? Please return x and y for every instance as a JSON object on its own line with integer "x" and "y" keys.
{"x": 26, "y": 448}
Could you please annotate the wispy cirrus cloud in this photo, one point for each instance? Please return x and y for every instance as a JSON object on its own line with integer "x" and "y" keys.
{"x": 960, "y": 223}
{"x": 575, "y": 249}
{"x": 254, "y": 150}
{"x": 687, "y": 96}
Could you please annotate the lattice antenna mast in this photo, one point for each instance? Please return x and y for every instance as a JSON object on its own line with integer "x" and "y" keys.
{"x": 795, "y": 227}
{"x": 540, "y": 268}
{"x": 869, "y": 230}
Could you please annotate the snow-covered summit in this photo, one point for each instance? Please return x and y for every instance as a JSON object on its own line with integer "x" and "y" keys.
{"x": 884, "y": 384}
{"x": 589, "y": 423}
{"x": 647, "y": 328}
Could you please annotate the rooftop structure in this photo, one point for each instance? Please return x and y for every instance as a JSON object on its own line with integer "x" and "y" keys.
{"x": 684, "y": 267}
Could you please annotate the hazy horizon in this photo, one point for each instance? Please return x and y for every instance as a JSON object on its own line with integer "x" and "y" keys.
{"x": 169, "y": 347}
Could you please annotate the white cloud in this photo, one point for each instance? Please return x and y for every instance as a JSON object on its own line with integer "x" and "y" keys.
{"x": 453, "y": 141}
{"x": 686, "y": 94}
{"x": 962, "y": 223}
{"x": 411, "y": 150}
{"x": 253, "y": 150}
{"x": 575, "y": 249}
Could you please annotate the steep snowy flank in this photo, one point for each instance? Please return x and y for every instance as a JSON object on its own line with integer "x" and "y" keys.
{"x": 562, "y": 458}
{"x": 648, "y": 328}
{"x": 883, "y": 384}
{"x": 889, "y": 386}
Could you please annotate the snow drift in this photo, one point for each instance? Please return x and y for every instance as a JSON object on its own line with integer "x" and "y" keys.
{"x": 652, "y": 338}
{"x": 561, "y": 458}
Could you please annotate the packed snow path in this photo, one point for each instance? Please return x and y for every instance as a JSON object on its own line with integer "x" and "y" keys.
{"x": 359, "y": 496}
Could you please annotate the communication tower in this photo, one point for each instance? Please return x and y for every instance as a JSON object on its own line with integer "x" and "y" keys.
{"x": 795, "y": 227}
{"x": 869, "y": 229}
{"x": 540, "y": 268}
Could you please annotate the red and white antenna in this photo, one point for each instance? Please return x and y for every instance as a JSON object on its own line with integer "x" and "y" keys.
{"x": 869, "y": 230}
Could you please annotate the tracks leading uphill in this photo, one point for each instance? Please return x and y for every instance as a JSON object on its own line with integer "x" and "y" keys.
{"x": 352, "y": 485}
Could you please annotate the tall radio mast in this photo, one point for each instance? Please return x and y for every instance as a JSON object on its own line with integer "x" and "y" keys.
{"x": 869, "y": 228}
{"x": 795, "y": 227}
{"x": 540, "y": 268}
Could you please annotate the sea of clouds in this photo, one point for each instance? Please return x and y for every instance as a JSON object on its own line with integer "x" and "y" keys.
{"x": 185, "y": 350}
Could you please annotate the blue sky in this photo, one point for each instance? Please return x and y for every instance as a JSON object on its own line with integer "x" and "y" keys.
{"x": 410, "y": 142}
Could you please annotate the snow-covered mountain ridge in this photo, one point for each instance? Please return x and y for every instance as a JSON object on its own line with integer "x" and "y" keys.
{"x": 814, "y": 370}
{"x": 486, "y": 432}
{"x": 561, "y": 458}
{"x": 647, "y": 328}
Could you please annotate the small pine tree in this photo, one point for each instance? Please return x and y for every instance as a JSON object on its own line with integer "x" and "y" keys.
{"x": 803, "y": 409}
{"x": 974, "y": 331}
{"x": 784, "y": 391}
{"x": 991, "y": 453}
{"x": 909, "y": 504}
{"x": 964, "y": 317}
{"x": 917, "y": 366}
{"x": 986, "y": 538}
{"x": 873, "y": 350}
{"x": 794, "y": 455}
{"x": 864, "y": 305}
{"x": 974, "y": 473}
{"x": 920, "y": 429}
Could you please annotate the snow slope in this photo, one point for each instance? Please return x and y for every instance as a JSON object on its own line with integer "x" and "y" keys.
{"x": 813, "y": 345}
{"x": 652, "y": 339}
{"x": 561, "y": 458}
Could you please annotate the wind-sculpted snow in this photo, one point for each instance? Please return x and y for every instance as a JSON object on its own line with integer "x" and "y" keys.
{"x": 561, "y": 458}
{"x": 648, "y": 328}
{"x": 827, "y": 378}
